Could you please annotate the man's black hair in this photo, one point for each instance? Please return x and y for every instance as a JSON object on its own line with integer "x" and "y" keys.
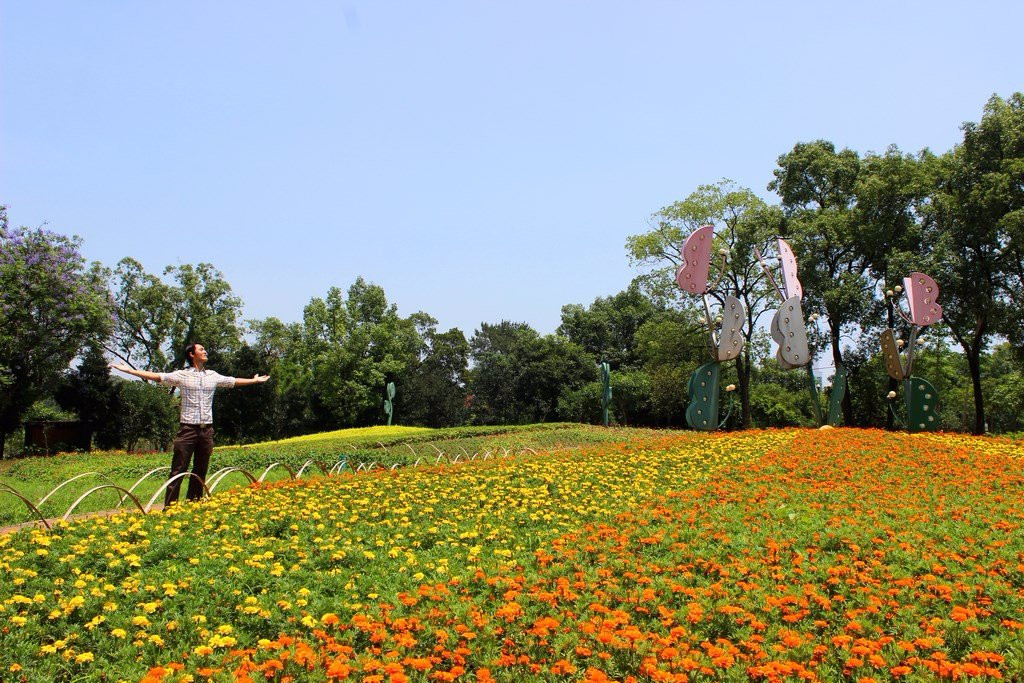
{"x": 189, "y": 350}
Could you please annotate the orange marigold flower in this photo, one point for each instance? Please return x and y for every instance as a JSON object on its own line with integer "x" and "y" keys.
{"x": 339, "y": 668}
{"x": 593, "y": 675}
{"x": 562, "y": 667}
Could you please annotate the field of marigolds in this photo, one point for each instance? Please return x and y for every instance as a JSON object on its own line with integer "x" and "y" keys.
{"x": 764, "y": 555}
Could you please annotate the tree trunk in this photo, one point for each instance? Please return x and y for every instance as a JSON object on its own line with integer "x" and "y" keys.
{"x": 743, "y": 363}
{"x": 974, "y": 364}
{"x": 837, "y": 360}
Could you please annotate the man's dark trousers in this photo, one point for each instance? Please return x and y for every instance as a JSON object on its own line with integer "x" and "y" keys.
{"x": 197, "y": 439}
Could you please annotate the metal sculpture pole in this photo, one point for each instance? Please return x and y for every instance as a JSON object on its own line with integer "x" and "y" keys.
{"x": 724, "y": 331}
{"x": 919, "y": 396}
{"x": 789, "y": 330}
{"x": 606, "y": 392}
{"x": 389, "y": 402}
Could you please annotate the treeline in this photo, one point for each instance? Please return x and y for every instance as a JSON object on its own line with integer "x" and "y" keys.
{"x": 857, "y": 222}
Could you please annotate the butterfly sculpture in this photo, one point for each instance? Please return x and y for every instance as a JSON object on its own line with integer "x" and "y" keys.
{"x": 789, "y": 330}
{"x": 919, "y": 396}
{"x": 725, "y": 330}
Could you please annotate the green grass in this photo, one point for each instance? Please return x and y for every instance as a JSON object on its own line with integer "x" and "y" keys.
{"x": 35, "y": 477}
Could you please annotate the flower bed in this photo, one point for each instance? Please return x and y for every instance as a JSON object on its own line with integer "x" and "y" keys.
{"x": 765, "y": 555}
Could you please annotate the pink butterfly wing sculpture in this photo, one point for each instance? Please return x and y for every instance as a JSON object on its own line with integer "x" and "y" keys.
{"x": 692, "y": 275}
{"x": 790, "y": 283}
{"x": 922, "y": 293}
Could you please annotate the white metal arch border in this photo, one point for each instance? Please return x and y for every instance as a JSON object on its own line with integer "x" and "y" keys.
{"x": 210, "y": 484}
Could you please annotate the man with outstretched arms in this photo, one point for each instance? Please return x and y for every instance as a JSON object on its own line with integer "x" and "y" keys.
{"x": 197, "y": 385}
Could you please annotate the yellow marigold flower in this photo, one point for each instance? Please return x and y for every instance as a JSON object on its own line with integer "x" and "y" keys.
{"x": 83, "y": 658}
{"x": 119, "y": 633}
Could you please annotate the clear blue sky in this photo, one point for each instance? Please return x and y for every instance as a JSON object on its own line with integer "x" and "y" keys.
{"x": 479, "y": 160}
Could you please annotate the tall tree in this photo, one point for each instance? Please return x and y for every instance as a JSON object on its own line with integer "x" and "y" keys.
{"x": 818, "y": 186}
{"x": 892, "y": 194}
{"x": 157, "y": 319}
{"x": 52, "y": 304}
{"x": 434, "y": 391}
{"x": 979, "y": 218}
{"x": 671, "y": 347}
{"x": 518, "y": 376}
{"x": 607, "y": 328}
{"x": 350, "y": 346}
{"x": 742, "y": 221}
{"x": 90, "y": 392}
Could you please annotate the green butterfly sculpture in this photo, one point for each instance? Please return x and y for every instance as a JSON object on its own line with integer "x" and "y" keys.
{"x": 919, "y": 396}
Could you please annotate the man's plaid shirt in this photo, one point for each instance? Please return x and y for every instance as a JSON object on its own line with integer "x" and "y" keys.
{"x": 196, "y": 389}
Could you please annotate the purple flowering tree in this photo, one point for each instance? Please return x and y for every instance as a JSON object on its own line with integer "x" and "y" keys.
{"x": 51, "y": 304}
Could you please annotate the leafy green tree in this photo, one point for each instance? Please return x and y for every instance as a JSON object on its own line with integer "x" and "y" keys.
{"x": 89, "y": 391}
{"x": 742, "y": 221}
{"x": 1004, "y": 390}
{"x": 518, "y": 376}
{"x": 631, "y": 400}
{"x": 892, "y": 194}
{"x": 145, "y": 413}
{"x": 434, "y": 392}
{"x": 607, "y": 328}
{"x": 978, "y": 210}
{"x": 818, "y": 187}
{"x": 671, "y": 347}
{"x": 779, "y": 397}
{"x": 156, "y": 319}
{"x": 52, "y": 304}
{"x": 349, "y": 347}
{"x": 253, "y": 415}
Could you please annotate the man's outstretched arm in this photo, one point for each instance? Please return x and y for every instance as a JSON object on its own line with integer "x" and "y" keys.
{"x": 256, "y": 379}
{"x": 144, "y": 374}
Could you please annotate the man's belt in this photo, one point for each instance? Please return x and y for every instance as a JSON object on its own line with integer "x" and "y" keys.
{"x": 200, "y": 425}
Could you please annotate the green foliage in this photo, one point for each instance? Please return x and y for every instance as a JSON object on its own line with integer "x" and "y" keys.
{"x": 582, "y": 404}
{"x": 348, "y": 347}
{"x": 977, "y": 231}
{"x": 771, "y": 407}
{"x": 156, "y": 320}
{"x": 742, "y": 222}
{"x": 779, "y": 397}
{"x": 434, "y": 390}
{"x": 253, "y": 413}
{"x": 146, "y": 414}
{"x": 89, "y": 391}
{"x": 52, "y": 304}
{"x": 670, "y": 347}
{"x": 1004, "y": 390}
{"x": 518, "y": 376}
{"x": 607, "y": 328}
